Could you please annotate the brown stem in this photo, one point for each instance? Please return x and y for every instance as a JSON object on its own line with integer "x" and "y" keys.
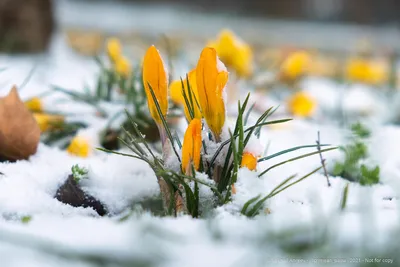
{"x": 322, "y": 160}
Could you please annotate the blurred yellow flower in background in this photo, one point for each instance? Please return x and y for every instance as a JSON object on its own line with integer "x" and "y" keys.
{"x": 191, "y": 147}
{"x": 123, "y": 67}
{"x": 212, "y": 77}
{"x": 236, "y": 54}
{"x": 114, "y": 49}
{"x": 48, "y": 121}
{"x": 175, "y": 90}
{"x": 155, "y": 74}
{"x": 301, "y": 104}
{"x": 249, "y": 161}
{"x": 295, "y": 65}
{"x": 79, "y": 146}
{"x": 374, "y": 72}
{"x": 34, "y": 104}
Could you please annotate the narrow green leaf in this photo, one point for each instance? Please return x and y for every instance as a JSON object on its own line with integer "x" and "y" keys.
{"x": 296, "y": 158}
{"x": 287, "y": 151}
{"x": 254, "y": 211}
{"x": 248, "y": 203}
{"x": 344, "y": 197}
{"x": 164, "y": 122}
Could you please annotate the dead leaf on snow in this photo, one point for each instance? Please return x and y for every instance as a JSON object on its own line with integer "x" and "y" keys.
{"x": 19, "y": 132}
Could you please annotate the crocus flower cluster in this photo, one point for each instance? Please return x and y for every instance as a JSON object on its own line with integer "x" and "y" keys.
{"x": 206, "y": 83}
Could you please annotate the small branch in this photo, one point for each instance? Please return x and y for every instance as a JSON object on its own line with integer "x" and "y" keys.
{"x": 322, "y": 160}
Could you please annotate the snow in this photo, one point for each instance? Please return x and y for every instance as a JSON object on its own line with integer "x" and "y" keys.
{"x": 307, "y": 213}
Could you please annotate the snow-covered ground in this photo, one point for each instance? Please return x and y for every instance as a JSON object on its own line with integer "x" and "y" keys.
{"x": 303, "y": 227}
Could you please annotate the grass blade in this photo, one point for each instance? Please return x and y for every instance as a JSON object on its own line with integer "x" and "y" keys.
{"x": 296, "y": 158}
{"x": 287, "y": 151}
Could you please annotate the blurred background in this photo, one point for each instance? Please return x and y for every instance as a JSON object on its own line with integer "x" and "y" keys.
{"x": 354, "y": 11}
{"x": 27, "y": 25}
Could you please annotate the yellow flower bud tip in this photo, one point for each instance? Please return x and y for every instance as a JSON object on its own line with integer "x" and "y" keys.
{"x": 295, "y": 65}
{"x": 191, "y": 147}
{"x": 155, "y": 75}
{"x": 249, "y": 161}
{"x": 79, "y": 147}
{"x": 211, "y": 79}
{"x": 34, "y": 104}
{"x": 123, "y": 67}
{"x": 301, "y": 104}
{"x": 114, "y": 49}
{"x": 47, "y": 121}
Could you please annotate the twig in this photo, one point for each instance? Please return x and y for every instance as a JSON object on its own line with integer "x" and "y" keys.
{"x": 322, "y": 160}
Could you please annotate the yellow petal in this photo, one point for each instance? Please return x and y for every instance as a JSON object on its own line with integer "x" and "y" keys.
{"x": 191, "y": 146}
{"x": 211, "y": 79}
{"x": 243, "y": 60}
{"x": 114, "y": 49}
{"x": 34, "y": 104}
{"x": 79, "y": 147}
{"x": 301, "y": 104}
{"x": 249, "y": 161}
{"x": 175, "y": 92}
{"x": 154, "y": 73}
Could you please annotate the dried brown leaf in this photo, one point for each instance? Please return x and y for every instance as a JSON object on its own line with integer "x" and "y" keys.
{"x": 19, "y": 132}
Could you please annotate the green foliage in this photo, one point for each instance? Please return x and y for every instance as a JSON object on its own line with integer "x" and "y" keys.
{"x": 355, "y": 152}
{"x": 369, "y": 176}
{"x": 79, "y": 173}
{"x": 26, "y": 219}
{"x": 360, "y": 130}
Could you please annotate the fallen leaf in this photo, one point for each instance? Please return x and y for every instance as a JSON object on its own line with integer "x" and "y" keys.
{"x": 19, "y": 132}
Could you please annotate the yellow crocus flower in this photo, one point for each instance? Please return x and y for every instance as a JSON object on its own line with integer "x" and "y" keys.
{"x": 373, "y": 72}
{"x": 301, "y": 104}
{"x": 154, "y": 73}
{"x": 114, "y": 49}
{"x": 79, "y": 146}
{"x": 234, "y": 53}
{"x": 34, "y": 104}
{"x": 175, "y": 90}
{"x": 47, "y": 121}
{"x": 295, "y": 65}
{"x": 249, "y": 161}
{"x": 211, "y": 77}
{"x": 123, "y": 67}
{"x": 191, "y": 147}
